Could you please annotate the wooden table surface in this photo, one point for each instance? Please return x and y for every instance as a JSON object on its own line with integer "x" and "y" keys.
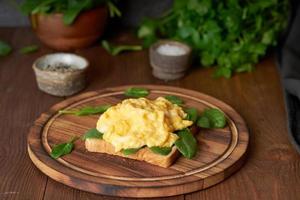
{"x": 270, "y": 172}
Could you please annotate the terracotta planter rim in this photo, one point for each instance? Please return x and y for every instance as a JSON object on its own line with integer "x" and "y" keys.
{"x": 60, "y": 14}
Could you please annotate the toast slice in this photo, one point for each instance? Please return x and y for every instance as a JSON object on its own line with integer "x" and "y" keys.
{"x": 144, "y": 154}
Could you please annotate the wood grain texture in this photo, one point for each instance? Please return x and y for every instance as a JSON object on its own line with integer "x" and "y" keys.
{"x": 270, "y": 172}
{"x": 220, "y": 153}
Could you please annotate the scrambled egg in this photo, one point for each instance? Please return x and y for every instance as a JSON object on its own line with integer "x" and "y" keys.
{"x": 134, "y": 123}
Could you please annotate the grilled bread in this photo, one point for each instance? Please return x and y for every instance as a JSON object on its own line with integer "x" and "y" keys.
{"x": 144, "y": 154}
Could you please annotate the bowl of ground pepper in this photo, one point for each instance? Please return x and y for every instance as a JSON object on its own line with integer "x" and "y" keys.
{"x": 61, "y": 74}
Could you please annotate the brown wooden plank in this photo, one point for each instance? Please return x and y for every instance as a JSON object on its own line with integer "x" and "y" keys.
{"x": 271, "y": 168}
{"x": 269, "y": 173}
{"x": 20, "y": 104}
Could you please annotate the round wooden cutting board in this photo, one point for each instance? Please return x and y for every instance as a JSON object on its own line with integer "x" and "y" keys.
{"x": 220, "y": 151}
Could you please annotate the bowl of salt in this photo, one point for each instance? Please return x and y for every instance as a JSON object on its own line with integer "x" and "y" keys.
{"x": 169, "y": 59}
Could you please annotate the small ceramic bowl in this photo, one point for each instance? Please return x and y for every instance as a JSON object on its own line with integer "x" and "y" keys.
{"x": 61, "y": 74}
{"x": 170, "y": 63}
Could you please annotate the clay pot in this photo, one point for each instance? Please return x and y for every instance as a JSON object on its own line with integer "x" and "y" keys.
{"x": 85, "y": 30}
{"x": 169, "y": 67}
{"x": 61, "y": 83}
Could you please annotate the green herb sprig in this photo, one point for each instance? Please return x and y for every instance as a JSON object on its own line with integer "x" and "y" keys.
{"x": 63, "y": 149}
{"x": 92, "y": 133}
{"x": 29, "y": 49}
{"x": 115, "y": 50}
{"x": 174, "y": 99}
{"x": 136, "y": 92}
{"x": 212, "y": 118}
{"x": 130, "y": 151}
{"x": 89, "y": 110}
{"x": 161, "y": 150}
{"x": 233, "y": 34}
{"x": 192, "y": 114}
{"x": 5, "y": 48}
{"x": 186, "y": 144}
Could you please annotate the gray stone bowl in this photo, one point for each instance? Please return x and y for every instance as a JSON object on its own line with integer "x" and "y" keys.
{"x": 169, "y": 67}
{"x": 61, "y": 81}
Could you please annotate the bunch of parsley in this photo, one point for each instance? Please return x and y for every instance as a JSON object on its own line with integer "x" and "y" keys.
{"x": 232, "y": 34}
{"x": 70, "y": 8}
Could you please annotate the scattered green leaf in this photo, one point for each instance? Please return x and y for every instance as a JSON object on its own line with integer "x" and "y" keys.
{"x": 174, "y": 99}
{"x": 86, "y": 110}
{"x": 130, "y": 151}
{"x": 212, "y": 118}
{"x": 203, "y": 122}
{"x": 92, "y": 133}
{"x": 63, "y": 149}
{"x": 29, "y": 49}
{"x": 5, "y": 48}
{"x": 115, "y": 50}
{"x": 161, "y": 150}
{"x": 192, "y": 114}
{"x": 136, "y": 92}
{"x": 186, "y": 144}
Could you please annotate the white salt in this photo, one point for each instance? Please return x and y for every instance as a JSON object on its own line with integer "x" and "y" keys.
{"x": 171, "y": 50}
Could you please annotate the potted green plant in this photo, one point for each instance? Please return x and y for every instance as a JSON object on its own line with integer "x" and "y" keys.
{"x": 69, "y": 24}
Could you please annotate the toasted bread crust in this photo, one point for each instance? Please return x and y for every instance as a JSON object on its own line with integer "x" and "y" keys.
{"x": 144, "y": 154}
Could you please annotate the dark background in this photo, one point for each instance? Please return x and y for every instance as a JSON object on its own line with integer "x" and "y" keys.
{"x": 133, "y": 12}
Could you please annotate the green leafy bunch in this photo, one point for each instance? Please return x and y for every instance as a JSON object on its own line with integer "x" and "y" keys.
{"x": 70, "y": 8}
{"x": 233, "y": 34}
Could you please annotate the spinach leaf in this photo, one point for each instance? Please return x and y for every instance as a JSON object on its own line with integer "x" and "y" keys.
{"x": 136, "y": 92}
{"x": 86, "y": 110}
{"x": 115, "y": 50}
{"x": 29, "y": 49}
{"x": 203, "y": 122}
{"x": 161, "y": 150}
{"x": 5, "y": 48}
{"x": 92, "y": 133}
{"x": 130, "y": 151}
{"x": 192, "y": 114}
{"x": 212, "y": 118}
{"x": 186, "y": 144}
{"x": 63, "y": 149}
{"x": 174, "y": 99}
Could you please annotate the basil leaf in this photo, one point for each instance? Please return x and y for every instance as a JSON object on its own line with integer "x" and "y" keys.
{"x": 29, "y": 49}
{"x": 115, "y": 50}
{"x": 203, "y": 122}
{"x": 136, "y": 92}
{"x": 5, "y": 48}
{"x": 92, "y": 133}
{"x": 212, "y": 118}
{"x": 174, "y": 99}
{"x": 192, "y": 114}
{"x": 86, "y": 110}
{"x": 186, "y": 144}
{"x": 161, "y": 150}
{"x": 130, "y": 151}
{"x": 63, "y": 149}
